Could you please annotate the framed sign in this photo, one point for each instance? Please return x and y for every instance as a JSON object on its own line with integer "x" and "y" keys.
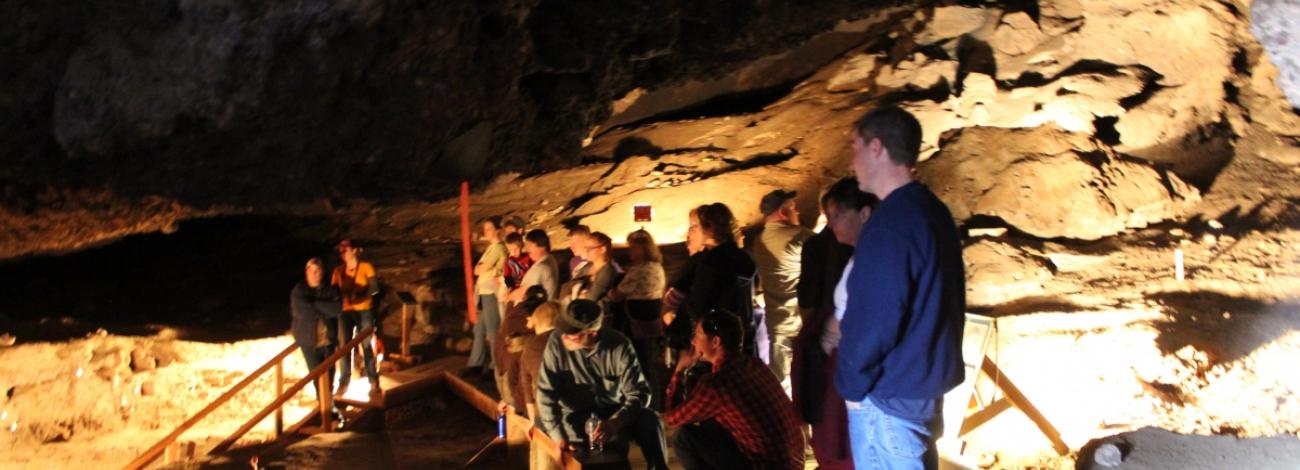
{"x": 642, "y": 213}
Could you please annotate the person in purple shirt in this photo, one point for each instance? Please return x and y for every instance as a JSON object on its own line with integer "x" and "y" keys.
{"x": 902, "y": 325}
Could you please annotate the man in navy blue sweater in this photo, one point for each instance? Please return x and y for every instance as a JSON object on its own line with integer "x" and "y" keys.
{"x": 902, "y": 325}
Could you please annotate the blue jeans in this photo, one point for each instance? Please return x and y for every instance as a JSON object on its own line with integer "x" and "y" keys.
{"x": 882, "y": 441}
{"x": 485, "y": 331}
{"x": 352, "y": 323}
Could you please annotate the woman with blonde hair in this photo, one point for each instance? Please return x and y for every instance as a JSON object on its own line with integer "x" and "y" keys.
{"x": 640, "y": 301}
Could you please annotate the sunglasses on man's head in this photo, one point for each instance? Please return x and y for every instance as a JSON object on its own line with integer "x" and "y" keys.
{"x": 710, "y": 321}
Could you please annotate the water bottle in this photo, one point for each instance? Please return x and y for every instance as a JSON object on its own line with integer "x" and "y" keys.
{"x": 592, "y": 445}
{"x": 1108, "y": 455}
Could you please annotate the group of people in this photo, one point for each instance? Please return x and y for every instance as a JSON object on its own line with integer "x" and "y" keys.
{"x": 344, "y": 305}
{"x": 863, "y": 324}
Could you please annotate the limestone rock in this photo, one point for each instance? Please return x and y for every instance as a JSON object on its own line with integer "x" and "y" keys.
{"x": 997, "y": 273}
{"x": 1017, "y": 34}
{"x": 1072, "y": 102}
{"x": 1276, "y": 23}
{"x": 142, "y": 360}
{"x": 164, "y": 354}
{"x": 919, "y": 73}
{"x": 953, "y": 21}
{"x": 1051, "y": 183}
{"x": 855, "y": 74}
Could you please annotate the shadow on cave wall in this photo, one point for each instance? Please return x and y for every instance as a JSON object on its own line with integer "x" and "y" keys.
{"x": 1227, "y": 328}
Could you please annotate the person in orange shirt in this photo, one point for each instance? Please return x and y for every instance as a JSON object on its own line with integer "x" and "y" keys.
{"x": 357, "y": 284}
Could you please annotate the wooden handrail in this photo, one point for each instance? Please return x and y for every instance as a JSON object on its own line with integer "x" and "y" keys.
{"x": 319, "y": 371}
{"x": 283, "y": 396}
{"x": 157, "y": 450}
{"x": 485, "y": 405}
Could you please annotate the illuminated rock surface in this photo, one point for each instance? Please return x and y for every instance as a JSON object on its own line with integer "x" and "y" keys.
{"x": 1098, "y": 137}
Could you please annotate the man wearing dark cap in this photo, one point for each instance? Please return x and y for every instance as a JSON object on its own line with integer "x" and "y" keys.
{"x": 588, "y": 370}
{"x": 777, "y": 256}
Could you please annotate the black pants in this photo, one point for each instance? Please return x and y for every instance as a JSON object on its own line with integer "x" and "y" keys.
{"x": 707, "y": 446}
{"x": 314, "y": 356}
{"x": 304, "y": 335}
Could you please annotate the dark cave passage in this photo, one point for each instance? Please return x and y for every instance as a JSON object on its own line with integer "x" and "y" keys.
{"x": 223, "y": 278}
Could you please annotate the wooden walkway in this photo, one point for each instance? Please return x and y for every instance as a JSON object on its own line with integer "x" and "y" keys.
{"x": 402, "y": 386}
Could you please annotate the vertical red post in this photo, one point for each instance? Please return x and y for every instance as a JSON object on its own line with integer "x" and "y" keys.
{"x": 465, "y": 233}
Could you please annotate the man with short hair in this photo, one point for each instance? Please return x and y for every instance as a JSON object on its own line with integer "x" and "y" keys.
{"x": 902, "y": 326}
{"x": 737, "y": 416}
{"x": 545, "y": 270}
{"x": 777, "y": 256}
{"x": 588, "y": 370}
{"x": 577, "y": 239}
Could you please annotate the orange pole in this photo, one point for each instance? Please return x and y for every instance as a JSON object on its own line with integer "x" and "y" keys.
{"x": 472, "y": 313}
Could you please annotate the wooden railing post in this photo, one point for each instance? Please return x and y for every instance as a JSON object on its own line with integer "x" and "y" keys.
{"x": 157, "y": 450}
{"x": 279, "y": 388}
{"x": 283, "y": 396}
{"x": 406, "y": 338}
{"x": 324, "y": 398}
{"x": 319, "y": 371}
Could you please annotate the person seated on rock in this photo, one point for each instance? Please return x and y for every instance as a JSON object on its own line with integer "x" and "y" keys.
{"x": 310, "y": 302}
{"x": 588, "y": 371}
{"x": 736, "y": 416}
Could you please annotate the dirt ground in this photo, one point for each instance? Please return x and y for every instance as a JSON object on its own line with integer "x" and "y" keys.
{"x": 106, "y": 398}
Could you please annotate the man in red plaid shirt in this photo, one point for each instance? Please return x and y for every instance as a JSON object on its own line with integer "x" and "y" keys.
{"x": 737, "y": 416}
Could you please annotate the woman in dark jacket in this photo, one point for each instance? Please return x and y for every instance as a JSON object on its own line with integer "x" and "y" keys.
{"x": 720, "y": 276}
{"x": 311, "y": 302}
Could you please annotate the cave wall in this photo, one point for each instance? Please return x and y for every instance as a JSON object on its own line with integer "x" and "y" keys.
{"x": 245, "y": 104}
{"x": 125, "y": 117}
